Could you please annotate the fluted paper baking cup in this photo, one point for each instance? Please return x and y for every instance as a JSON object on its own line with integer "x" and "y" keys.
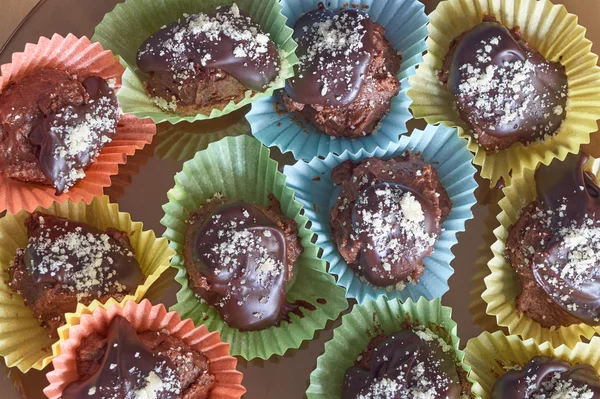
{"x": 240, "y": 168}
{"x": 405, "y": 23}
{"x": 503, "y": 285}
{"x": 24, "y": 343}
{"x": 124, "y": 29}
{"x": 364, "y": 323}
{"x": 438, "y": 146}
{"x": 552, "y": 31}
{"x": 80, "y": 57}
{"x": 492, "y": 355}
{"x": 145, "y": 317}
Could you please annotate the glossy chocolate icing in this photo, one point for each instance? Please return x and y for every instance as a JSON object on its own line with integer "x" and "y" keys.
{"x": 242, "y": 254}
{"x": 126, "y": 369}
{"x": 79, "y": 257}
{"x": 335, "y": 49}
{"x": 390, "y": 243}
{"x": 226, "y": 40}
{"x": 404, "y": 365}
{"x": 567, "y": 268}
{"x": 503, "y": 88}
{"x": 71, "y": 139}
{"x": 538, "y": 378}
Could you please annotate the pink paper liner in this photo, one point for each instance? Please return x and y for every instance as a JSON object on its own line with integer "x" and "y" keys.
{"x": 81, "y": 57}
{"x": 145, "y": 317}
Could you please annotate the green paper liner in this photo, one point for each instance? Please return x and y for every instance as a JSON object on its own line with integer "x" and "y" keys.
{"x": 125, "y": 28}
{"x": 240, "y": 168}
{"x": 368, "y": 321}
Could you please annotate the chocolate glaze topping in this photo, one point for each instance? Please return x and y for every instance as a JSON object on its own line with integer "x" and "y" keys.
{"x": 405, "y": 365}
{"x": 242, "y": 254}
{"x": 128, "y": 369}
{"x": 505, "y": 89}
{"x": 547, "y": 377}
{"x": 79, "y": 257}
{"x": 226, "y": 40}
{"x": 335, "y": 49}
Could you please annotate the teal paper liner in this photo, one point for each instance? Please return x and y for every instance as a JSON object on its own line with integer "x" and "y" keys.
{"x": 444, "y": 150}
{"x": 405, "y": 22}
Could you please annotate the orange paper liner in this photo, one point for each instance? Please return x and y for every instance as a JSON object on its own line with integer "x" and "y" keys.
{"x": 83, "y": 58}
{"x": 145, "y": 317}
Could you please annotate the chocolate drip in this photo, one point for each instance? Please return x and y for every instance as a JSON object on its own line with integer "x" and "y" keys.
{"x": 335, "y": 49}
{"x": 226, "y": 40}
{"x": 127, "y": 367}
{"x": 404, "y": 365}
{"x": 242, "y": 254}
{"x": 544, "y": 377}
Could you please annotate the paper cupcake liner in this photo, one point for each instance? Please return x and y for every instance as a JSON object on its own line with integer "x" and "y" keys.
{"x": 405, "y": 22}
{"x": 502, "y": 283}
{"x": 180, "y": 142}
{"x": 145, "y": 317}
{"x": 240, "y": 168}
{"x": 489, "y": 355}
{"x": 80, "y": 57}
{"x": 364, "y": 323}
{"x": 125, "y": 28}
{"x": 552, "y": 31}
{"x": 24, "y": 343}
{"x": 438, "y": 146}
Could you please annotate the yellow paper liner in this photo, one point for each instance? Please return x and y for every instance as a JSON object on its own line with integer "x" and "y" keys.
{"x": 502, "y": 283}
{"x": 490, "y": 355}
{"x": 80, "y": 57}
{"x": 23, "y": 341}
{"x": 552, "y": 31}
{"x": 145, "y": 317}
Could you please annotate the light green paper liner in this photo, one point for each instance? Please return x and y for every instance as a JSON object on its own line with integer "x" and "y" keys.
{"x": 502, "y": 284}
{"x": 552, "y": 31}
{"x": 125, "y": 28}
{"x": 240, "y": 168}
{"x": 364, "y": 323}
{"x": 489, "y": 354}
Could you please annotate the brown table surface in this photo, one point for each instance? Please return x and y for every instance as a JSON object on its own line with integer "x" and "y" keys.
{"x": 145, "y": 192}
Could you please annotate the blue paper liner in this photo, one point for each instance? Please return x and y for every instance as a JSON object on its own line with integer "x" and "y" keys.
{"x": 405, "y": 23}
{"x": 437, "y": 145}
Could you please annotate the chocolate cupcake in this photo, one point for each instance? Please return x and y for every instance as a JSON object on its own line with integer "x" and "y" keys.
{"x": 204, "y": 61}
{"x": 346, "y": 76}
{"x": 151, "y": 364}
{"x": 554, "y": 247}
{"x": 66, "y": 263}
{"x": 387, "y": 217}
{"x": 548, "y": 377}
{"x": 504, "y": 90}
{"x": 239, "y": 257}
{"x": 53, "y": 125}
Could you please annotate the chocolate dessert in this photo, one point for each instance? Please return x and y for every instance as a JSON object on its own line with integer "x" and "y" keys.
{"x": 239, "y": 257}
{"x": 554, "y": 247}
{"x": 67, "y": 262}
{"x": 504, "y": 90}
{"x": 129, "y": 364}
{"x": 346, "y": 77}
{"x": 204, "y": 61}
{"x": 53, "y": 126}
{"x": 547, "y": 377}
{"x": 387, "y": 217}
{"x": 412, "y": 363}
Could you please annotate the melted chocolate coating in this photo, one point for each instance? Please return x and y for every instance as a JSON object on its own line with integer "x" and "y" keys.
{"x": 125, "y": 368}
{"x": 242, "y": 254}
{"x": 402, "y": 366}
{"x": 219, "y": 40}
{"x": 534, "y": 109}
{"x": 538, "y": 377}
{"x": 332, "y": 64}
